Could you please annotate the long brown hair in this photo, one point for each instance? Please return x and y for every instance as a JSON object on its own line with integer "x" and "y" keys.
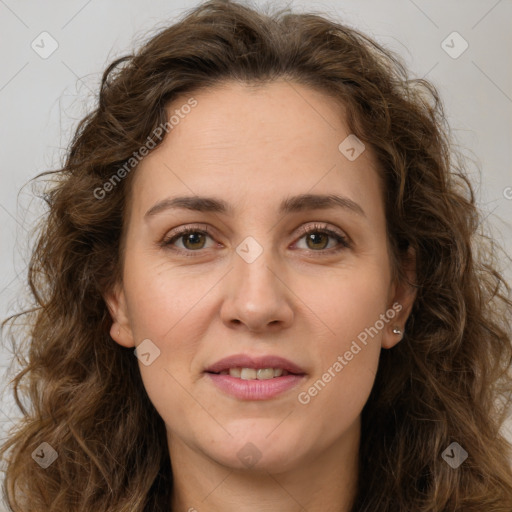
{"x": 440, "y": 385}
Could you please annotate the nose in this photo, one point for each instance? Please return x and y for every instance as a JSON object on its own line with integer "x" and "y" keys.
{"x": 256, "y": 295}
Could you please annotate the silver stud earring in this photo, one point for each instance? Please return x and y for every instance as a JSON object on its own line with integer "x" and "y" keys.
{"x": 396, "y": 330}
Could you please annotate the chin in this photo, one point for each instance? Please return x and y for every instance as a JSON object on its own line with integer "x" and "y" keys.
{"x": 257, "y": 451}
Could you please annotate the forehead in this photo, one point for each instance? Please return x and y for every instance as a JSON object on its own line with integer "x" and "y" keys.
{"x": 233, "y": 116}
{"x": 254, "y": 141}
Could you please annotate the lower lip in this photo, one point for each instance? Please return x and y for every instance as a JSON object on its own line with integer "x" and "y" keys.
{"x": 255, "y": 389}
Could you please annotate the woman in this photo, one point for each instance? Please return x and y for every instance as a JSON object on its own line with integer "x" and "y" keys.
{"x": 265, "y": 210}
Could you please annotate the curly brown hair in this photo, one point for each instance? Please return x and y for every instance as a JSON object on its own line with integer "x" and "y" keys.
{"x": 446, "y": 381}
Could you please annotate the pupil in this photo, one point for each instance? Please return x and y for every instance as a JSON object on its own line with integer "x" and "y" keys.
{"x": 190, "y": 238}
{"x": 313, "y": 237}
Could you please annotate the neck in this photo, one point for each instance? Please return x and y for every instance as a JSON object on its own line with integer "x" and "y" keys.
{"x": 325, "y": 481}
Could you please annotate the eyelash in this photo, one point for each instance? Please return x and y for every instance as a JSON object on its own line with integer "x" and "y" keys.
{"x": 343, "y": 241}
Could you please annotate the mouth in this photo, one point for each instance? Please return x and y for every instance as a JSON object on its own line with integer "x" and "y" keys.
{"x": 246, "y": 367}
{"x": 255, "y": 373}
{"x": 254, "y": 378}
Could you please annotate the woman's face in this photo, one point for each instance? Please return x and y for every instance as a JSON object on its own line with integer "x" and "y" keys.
{"x": 256, "y": 285}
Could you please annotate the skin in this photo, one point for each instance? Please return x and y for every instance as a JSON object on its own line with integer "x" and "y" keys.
{"x": 254, "y": 147}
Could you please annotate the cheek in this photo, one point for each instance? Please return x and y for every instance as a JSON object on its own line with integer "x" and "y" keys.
{"x": 333, "y": 402}
{"x": 161, "y": 297}
{"x": 346, "y": 302}
{"x": 354, "y": 311}
{"x": 167, "y": 306}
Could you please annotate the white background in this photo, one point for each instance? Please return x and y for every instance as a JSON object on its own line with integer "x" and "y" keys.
{"x": 42, "y": 100}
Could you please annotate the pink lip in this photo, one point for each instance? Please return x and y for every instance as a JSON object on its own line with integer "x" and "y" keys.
{"x": 255, "y": 389}
{"x": 246, "y": 361}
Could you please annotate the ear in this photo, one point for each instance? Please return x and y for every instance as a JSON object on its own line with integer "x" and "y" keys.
{"x": 402, "y": 296}
{"x": 121, "y": 330}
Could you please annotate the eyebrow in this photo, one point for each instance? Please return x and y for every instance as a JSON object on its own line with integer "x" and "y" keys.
{"x": 299, "y": 203}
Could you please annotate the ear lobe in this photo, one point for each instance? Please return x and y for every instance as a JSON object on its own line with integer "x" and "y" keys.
{"x": 402, "y": 301}
{"x": 120, "y": 330}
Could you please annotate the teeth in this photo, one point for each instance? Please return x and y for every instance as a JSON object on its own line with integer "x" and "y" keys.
{"x": 265, "y": 373}
{"x": 248, "y": 374}
{"x": 253, "y": 373}
{"x": 235, "y": 372}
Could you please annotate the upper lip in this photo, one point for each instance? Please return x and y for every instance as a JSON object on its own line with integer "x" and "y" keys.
{"x": 247, "y": 361}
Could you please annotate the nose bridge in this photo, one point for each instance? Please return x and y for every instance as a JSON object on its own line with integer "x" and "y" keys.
{"x": 253, "y": 264}
{"x": 256, "y": 295}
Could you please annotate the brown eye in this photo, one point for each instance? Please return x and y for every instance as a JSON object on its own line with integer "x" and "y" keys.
{"x": 192, "y": 239}
{"x": 317, "y": 239}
